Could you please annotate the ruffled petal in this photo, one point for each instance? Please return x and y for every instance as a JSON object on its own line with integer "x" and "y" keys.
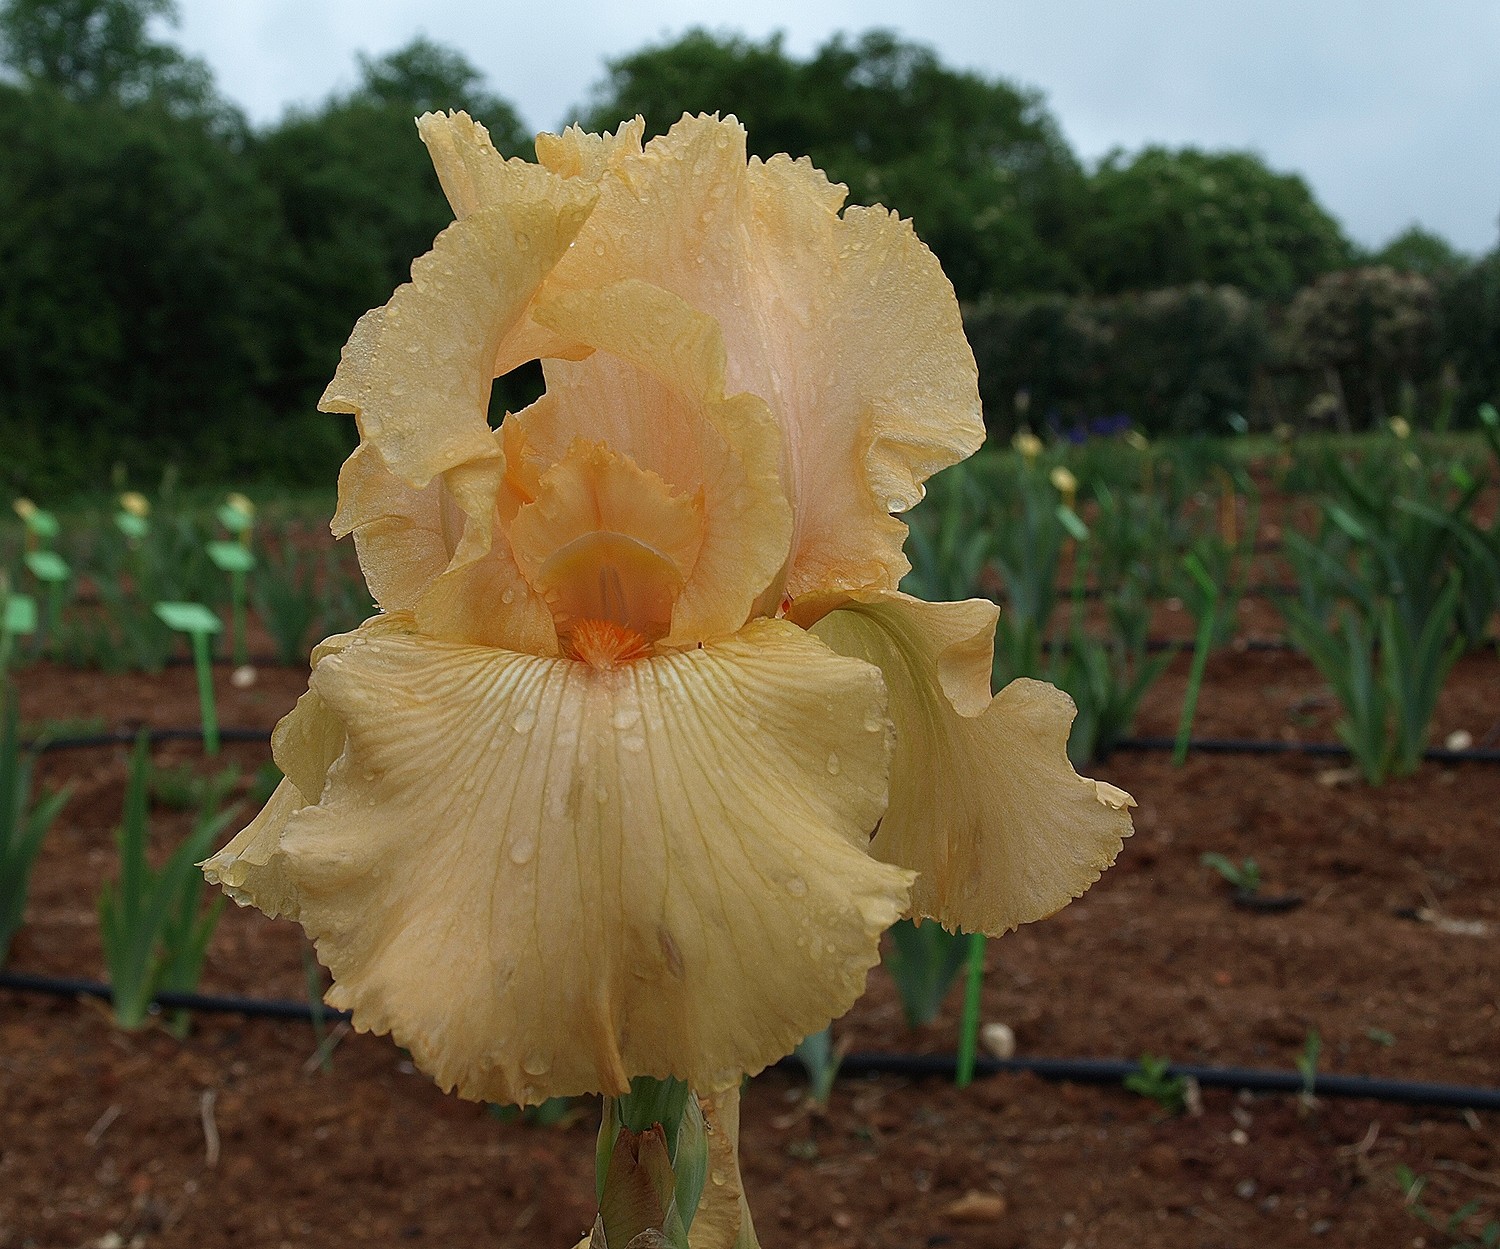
{"x": 476, "y": 178}
{"x": 844, "y": 326}
{"x": 544, "y": 879}
{"x": 577, "y": 154}
{"x": 416, "y": 374}
{"x": 404, "y": 537}
{"x": 249, "y": 868}
{"x": 984, "y": 803}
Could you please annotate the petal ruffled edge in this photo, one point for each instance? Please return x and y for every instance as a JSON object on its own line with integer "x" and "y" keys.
{"x": 416, "y": 374}
{"x": 985, "y": 805}
{"x": 474, "y": 895}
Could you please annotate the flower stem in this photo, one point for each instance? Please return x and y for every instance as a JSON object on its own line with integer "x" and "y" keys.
{"x": 968, "y": 1034}
{"x": 650, "y": 1165}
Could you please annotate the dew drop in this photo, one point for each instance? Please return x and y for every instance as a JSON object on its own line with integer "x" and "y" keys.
{"x": 598, "y": 249}
{"x": 834, "y": 766}
{"x": 523, "y": 243}
{"x": 521, "y": 851}
{"x": 508, "y": 597}
{"x": 797, "y": 887}
{"x": 626, "y": 717}
{"x": 535, "y": 1065}
{"x": 601, "y": 794}
{"x": 634, "y": 744}
{"x": 874, "y": 722}
{"x": 895, "y": 505}
{"x": 718, "y": 1177}
{"x": 525, "y": 720}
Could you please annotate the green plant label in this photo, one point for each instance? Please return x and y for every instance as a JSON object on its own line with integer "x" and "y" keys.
{"x": 188, "y": 617}
{"x": 233, "y": 519}
{"x": 47, "y": 566}
{"x": 43, "y": 524}
{"x": 231, "y": 556}
{"x": 131, "y": 525}
{"x": 18, "y": 615}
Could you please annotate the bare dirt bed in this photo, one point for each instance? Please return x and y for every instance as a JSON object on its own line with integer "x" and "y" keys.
{"x": 232, "y": 1137}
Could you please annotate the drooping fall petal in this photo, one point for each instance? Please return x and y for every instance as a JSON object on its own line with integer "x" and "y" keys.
{"x": 984, "y": 806}
{"x": 543, "y": 879}
{"x": 249, "y": 867}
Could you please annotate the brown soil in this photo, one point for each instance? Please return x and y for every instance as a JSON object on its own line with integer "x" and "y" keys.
{"x": 233, "y": 1137}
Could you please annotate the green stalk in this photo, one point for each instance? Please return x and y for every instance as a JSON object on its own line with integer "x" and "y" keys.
{"x": 1201, "y": 647}
{"x": 203, "y": 666}
{"x": 237, "y": 608}
{"x": 968, "y": 1034}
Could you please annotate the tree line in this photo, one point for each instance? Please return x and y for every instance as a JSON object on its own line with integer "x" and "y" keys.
{"x": 179, "y": 282}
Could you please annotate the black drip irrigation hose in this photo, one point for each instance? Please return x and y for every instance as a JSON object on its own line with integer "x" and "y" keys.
{"x": 126, "y": 737}
{"x": 1075, "y": 1070}
{"x": 1322, "y": 750}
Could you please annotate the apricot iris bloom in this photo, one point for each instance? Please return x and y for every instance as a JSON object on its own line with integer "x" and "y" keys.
{"x": 645, "y": 748}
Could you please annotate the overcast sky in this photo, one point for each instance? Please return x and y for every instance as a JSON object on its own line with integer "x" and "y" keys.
{"x": 1390, "y": 108}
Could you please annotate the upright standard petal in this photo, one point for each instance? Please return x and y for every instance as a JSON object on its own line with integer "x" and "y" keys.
{"x": 417, "y": 373}
{"x": 653, "y": 390}
{"x": 844, "y": 326}
{"x": 985, "y": 806}
{"x": 544, "y": 879}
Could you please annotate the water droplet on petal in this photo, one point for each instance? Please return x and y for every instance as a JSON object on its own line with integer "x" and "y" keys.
{"x": 626, "y": 717}
{"x": 834, "y": 765}
{"x": 797, "y": 887}
{"x": 634, "y": 744}
{"x": 521, "y": 850}
{"x": 525, "y": 720}
{"x": 535, "y": 1065}
{"x": 508, "y": 597}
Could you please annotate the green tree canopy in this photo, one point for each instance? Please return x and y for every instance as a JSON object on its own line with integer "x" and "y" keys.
{"x": 359, "y": 200}
{"x": 136, "y": 248}
{"x": 978, "y": 164}
{"x": 1166, "y": 218}
{"x": 1417, "y": 250}
{"x": 91, "y": 51}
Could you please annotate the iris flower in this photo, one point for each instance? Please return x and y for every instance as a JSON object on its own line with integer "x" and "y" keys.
{"x": 645, "y": 748}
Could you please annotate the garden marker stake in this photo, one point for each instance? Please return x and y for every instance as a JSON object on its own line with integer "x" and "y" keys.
{"x": 237, "y": 560}
{"x": 200, "y": 625}
{"x": 646, "y": 749}
{"x": 49, "y": 568}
